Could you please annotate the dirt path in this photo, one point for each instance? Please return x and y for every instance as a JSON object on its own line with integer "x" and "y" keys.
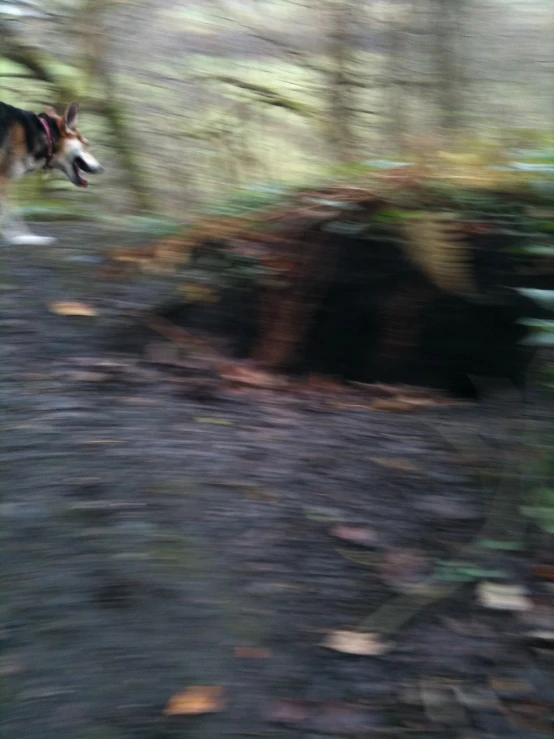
{"x": 146, "y": 537}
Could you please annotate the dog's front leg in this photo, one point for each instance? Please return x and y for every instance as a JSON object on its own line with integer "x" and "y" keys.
{"x": 13, "y": 227}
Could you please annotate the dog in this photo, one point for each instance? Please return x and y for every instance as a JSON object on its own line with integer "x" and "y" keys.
{"x": 29, "y": 142}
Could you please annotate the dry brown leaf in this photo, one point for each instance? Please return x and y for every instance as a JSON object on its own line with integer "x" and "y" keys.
{"x": 88, "y": 377}
{"x": 361, "y": 535}
{"x": 326, "y": 384}
{"x": 395, "y": 463}
{"x": 203, "y": 294}
{"x": 346, "y": 406}
{"x": 68, "y": 308}
{"x": 249, "y": 377}
{"x": 213, "y": 421}
{"x": 509, "y": 687}
{"x": 503, "y": 597}
{"x": 252, "y": 653}
{"x": 543, "y": 571}
{"x": 394, "y": 406}
{"x": 356, "y": 642}
{"x": 196, "y": 700}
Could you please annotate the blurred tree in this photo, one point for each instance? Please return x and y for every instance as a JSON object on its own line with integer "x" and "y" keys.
{"x": 398, "y": 75}
{"x": 39, "y": 63}
{"x": 335, "y": 67}
{"x": 96, "y": 45}
{"x": 339, "y": 84}
{"x": 447, "y": 16}
{"x": 91, "y": 20}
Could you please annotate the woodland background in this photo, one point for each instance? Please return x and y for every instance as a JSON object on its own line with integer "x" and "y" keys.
{"x": 187, "y": 102}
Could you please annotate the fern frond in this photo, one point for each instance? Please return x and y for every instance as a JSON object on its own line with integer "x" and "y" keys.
{"x": 434, "y": 242}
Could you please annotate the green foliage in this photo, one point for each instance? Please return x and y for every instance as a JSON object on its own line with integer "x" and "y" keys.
{"x": 452, "y": 571}
{"x": 543, "y": 330}
{"x": 500, "y": 545}
{"x": 542, "y": 509}
{"x": 250, "y": 199}
{"x": 544, "y": 298}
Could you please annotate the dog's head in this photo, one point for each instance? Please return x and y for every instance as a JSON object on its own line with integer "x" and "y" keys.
{"x": 69, "y": 153}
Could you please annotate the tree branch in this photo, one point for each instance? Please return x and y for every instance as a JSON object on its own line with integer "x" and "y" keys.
{"x": 266, "y": 95}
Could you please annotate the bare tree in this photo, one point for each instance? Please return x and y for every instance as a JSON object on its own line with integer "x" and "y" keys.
{"x": 446, "y": 18}
{"x": 96, "y": 63}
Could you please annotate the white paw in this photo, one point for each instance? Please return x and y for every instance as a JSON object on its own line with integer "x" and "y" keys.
{"x": 30, "y": 240}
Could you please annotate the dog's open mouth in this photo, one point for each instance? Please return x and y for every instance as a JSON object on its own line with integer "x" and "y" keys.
{"x": 78, "y": 166}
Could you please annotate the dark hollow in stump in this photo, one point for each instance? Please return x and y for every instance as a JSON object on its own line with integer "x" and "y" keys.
{"x": 360, "y": 297}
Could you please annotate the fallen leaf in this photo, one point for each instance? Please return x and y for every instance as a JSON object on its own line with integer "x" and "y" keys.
{"x": 393, "y": 405}
{"x": 356, "y": 642}
{"x": 252, "y": 653}
{"x": 250, "y": 377}
{"x": 530, "y": 716}
{"x": 199, "y": 293}
{"x": 395, "y": 463}
{"x": 543, "y": 571}
{"x": 365, "y": 559}
{"x": 323, "y": 514}
{"x": 252, "y": 492}
{"x": 503, "y": 597}
{"x": 88, "y": 377}
{"x": 64, "y": 308}
{"x": 360, "y": 535}
{"x": 378, "y": 390}
{"x": 508, "y": 687}
{"x": 214, "y": 421}
{"x": 346, "y": 406}
{"x": 196, "y": 700}
{"x": 327, "y": 385}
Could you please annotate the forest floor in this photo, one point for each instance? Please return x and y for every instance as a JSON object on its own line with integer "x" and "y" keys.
{"x": 153, "y": 541}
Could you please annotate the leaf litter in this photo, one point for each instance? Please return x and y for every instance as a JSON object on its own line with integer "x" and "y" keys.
{"x": 196, "y": 700}
{"x": 356, "y": 642}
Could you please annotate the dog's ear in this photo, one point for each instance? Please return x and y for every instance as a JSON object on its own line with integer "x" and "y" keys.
{"x": 70, "y": 116}
{"x": 52, "y": 112}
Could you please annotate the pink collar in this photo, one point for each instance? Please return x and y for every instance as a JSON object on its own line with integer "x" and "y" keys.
{"x": 50, "y": 151}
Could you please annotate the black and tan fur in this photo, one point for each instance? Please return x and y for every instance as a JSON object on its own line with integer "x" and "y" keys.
{"x": 29, "y": 142}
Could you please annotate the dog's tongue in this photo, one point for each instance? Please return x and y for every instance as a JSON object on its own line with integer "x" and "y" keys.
{"x": 81, "y": 179}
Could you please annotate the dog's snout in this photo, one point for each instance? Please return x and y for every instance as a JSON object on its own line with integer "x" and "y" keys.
{"x": 89, "y": 165}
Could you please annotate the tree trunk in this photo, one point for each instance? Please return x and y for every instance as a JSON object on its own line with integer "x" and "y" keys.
{"x": 397, "y": 118}
{"x": 339, "y": 90}
{"x": 36, "y": 61}
{"x": 96, "y": 63}
{"x": 447, "y": 16}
